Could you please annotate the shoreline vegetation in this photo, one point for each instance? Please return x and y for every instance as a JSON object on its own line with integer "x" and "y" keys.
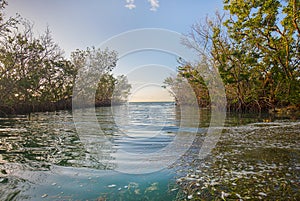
{"x": 35, "y": 76}
{"x": 254, "y": 47}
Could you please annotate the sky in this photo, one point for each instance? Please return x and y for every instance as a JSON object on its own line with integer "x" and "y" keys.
{"x": 77, "y": 24}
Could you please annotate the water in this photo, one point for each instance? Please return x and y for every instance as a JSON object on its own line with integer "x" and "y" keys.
{"x": 44, "y": 157}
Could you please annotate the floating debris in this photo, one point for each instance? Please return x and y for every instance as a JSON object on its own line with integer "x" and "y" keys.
{"x": 152, "y": 187}
{"x": 262, "y": 194}
{"x": 45, "y": 195}
{"x": 224, "y": 195}
{"x": 137, "y": 191}
{"x": 133, "y": 185}
{"x": 3, "y": 180}
{"x": 190, "y": 197}
{"x": 112, "y": 186}
{"x": 249, "y": 162}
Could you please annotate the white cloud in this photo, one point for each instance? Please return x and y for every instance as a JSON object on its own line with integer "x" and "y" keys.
{"x": 154, "y": 4}
{"x": 130, "y": 1}
{"x": 130, "y": 4}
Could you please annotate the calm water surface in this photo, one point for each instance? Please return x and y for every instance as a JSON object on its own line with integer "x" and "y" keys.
{"x": 42, "y": 157}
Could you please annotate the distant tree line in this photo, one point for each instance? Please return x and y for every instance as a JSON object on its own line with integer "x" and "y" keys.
{"x": 255, "y": 48}
{"x": 35, "y": 75}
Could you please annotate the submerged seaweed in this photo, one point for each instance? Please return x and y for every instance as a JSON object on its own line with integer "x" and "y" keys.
{"x": 255, "y": 161}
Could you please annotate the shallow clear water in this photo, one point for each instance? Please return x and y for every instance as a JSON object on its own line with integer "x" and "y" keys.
{"x": 44, "y": 157}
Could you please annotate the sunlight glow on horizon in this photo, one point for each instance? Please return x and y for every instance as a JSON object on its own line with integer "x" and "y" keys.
{"x": 150, "y": 93}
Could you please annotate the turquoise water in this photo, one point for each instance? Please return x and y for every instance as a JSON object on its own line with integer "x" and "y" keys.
{"x": 44, "y": 157}
{"x": 62, "y": 183}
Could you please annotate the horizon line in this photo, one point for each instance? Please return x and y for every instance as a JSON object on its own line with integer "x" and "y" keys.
{"x": 151, "y": 101}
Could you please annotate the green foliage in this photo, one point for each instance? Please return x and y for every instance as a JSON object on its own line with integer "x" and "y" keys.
{"x": 33, "y": 70}
{"x": 94, "y": 75}
{"x": 6, "y": 25}
{"x": 35, "y": 76}
{"x": 270, "y": 31}
{"x": 121, "y": 90}
{"x": 256, "y": 50}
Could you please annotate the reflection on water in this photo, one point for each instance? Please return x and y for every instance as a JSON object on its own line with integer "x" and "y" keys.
{"x": 41, "y": 139}
{"x": 42, "y": 157}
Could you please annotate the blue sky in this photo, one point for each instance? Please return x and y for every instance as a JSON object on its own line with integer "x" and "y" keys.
{"x": 84, "y": 23}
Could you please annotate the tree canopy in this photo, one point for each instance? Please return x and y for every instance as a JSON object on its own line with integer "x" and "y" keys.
{"x": 35, "y": 75}
{"x": 255, "y": 47}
